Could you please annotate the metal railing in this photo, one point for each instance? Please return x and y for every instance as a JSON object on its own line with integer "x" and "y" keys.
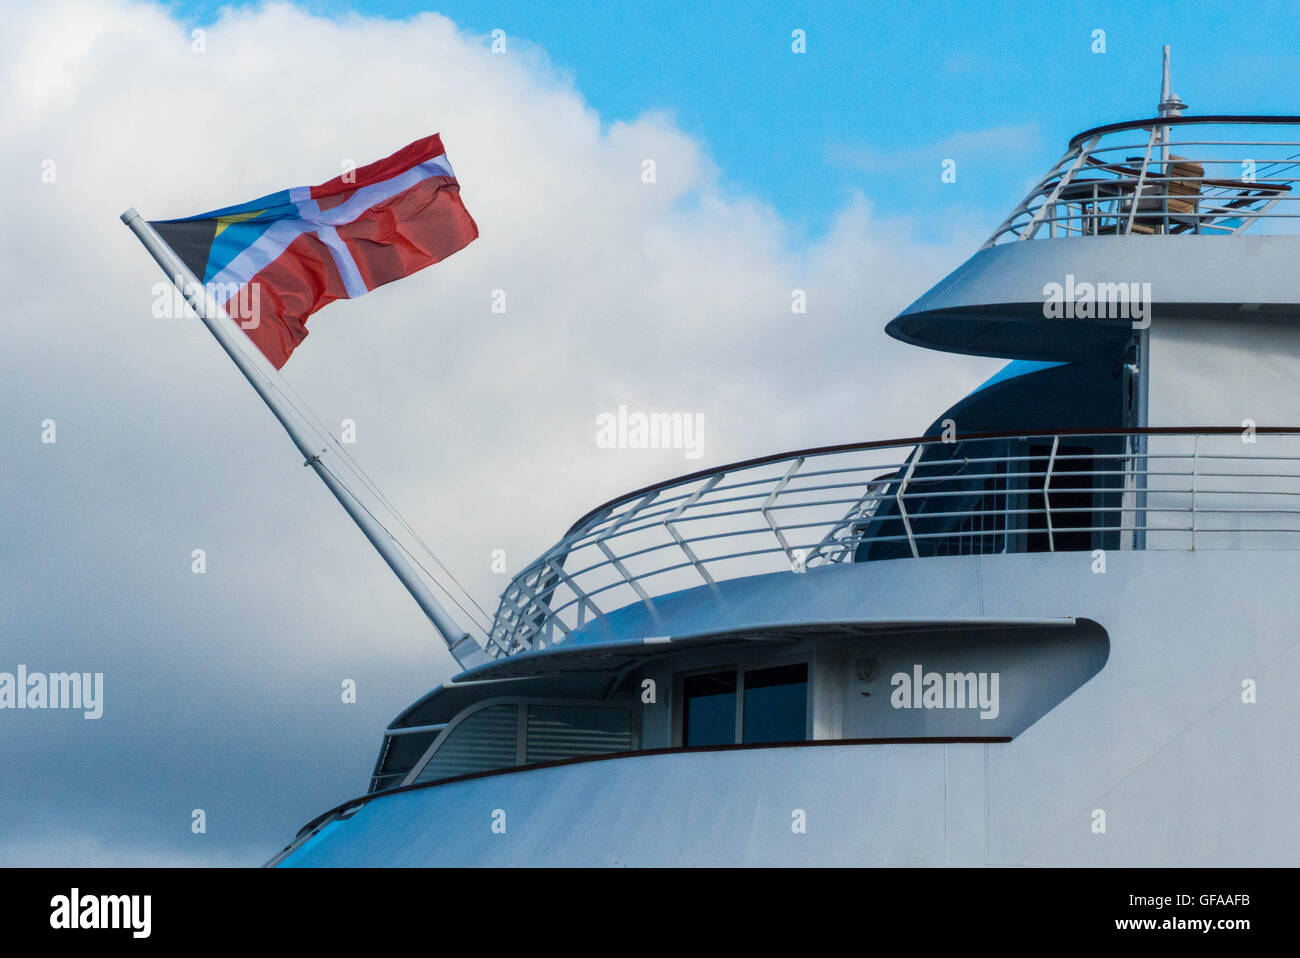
{"x": 1200, "y": 175}
{"x": 1192, "y": 488}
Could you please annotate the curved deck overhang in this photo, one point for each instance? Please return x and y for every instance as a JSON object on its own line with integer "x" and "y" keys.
{"x": 876, "y": 598}
{"x": 993, "y": 304}
{"x": 619, "y": 654}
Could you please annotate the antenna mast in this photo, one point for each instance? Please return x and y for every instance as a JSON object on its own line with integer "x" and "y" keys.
{"x": 1170, "y": 105}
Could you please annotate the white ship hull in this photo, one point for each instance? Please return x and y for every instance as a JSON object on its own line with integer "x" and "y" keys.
{"x": 1159, "y": 740}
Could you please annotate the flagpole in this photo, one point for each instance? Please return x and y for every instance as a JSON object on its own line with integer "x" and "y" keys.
{"x": 466, "y": 651}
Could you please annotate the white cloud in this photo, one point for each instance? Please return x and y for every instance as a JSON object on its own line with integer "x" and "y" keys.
{"x": 481, "y": 427}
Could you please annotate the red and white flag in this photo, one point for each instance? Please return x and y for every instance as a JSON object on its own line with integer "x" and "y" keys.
{"x": 275, "y": 261}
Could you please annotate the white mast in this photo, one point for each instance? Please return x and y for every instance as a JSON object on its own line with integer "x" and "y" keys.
{"x": 463, "y": 647}
{"x": 1170, "y": 105}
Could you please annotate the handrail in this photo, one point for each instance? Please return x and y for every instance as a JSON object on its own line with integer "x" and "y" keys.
{"x": 1108, "y": 128}
{"x": 1181, "y": 188}
{"x": 975, "y": 493}
{"x": 813, "y": 451}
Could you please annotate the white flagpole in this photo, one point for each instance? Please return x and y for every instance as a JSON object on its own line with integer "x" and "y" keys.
{"x": 464, "y": 648}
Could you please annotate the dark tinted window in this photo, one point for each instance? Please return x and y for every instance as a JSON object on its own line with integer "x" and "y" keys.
{"x": 776, "y": 704}
{"x": 709, "y": 709}
{"x": 400, "y": 753}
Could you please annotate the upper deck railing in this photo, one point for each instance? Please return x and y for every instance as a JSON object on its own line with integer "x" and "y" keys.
{"x": 1195, "y": 488}
{"x": 1204, "y": 175}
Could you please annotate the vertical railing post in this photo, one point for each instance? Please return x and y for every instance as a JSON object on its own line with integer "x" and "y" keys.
{"x": 771, "y": 501}
{"x": 1032, "y": 227}
{"x": 1142, "y": 175}
{"x": 902, "y": 507}
{"x": 602, "y": 543}
{"x": 682, "y": 543}
{"x": 1140, "y": 476}
{"x": 1047, "y": 502}
{"x": 584, "y": 601}
{"x": 1027, "y": 201}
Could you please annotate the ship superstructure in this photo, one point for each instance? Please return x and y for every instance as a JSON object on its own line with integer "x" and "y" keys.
{"x": 1056, "y": 629}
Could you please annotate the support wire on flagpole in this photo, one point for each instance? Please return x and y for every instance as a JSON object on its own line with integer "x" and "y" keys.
{"x": 276, "y": 380}
{"x": 373, "y": 488}
{"x": 454, "y": 601}
{"x": 295, "y": 399}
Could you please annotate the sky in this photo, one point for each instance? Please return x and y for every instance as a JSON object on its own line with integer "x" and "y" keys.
{"x": 887, "y": 89}
{"x": 775, "y": 171}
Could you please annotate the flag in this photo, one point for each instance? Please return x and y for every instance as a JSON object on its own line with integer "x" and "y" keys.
{"x": 275, "y": 261}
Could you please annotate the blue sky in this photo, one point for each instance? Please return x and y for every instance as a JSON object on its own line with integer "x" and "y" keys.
{"x": 999, "y": 87}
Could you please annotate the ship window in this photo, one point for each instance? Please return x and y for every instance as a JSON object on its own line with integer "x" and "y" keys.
{"x": 709, "y": 709}
{"x": 746, "y": 706}
{"x": 486, "y": 740}
{"x": 568, "y": 731}
{"x": 400, "y": 753}
{"x": 509, "y": 734}
{"x": 776, "y": 704}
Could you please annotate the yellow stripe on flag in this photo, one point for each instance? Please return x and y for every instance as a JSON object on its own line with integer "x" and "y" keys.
{"x": 224, "y": 221}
